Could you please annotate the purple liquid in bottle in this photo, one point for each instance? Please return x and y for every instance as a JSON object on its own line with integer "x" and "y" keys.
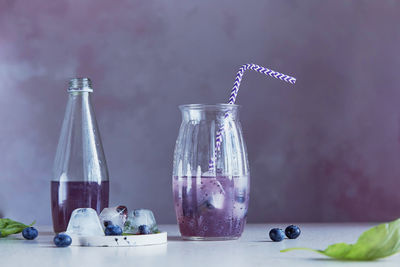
{"x": 67, "y": 196}
{"x": 211, "y": 207}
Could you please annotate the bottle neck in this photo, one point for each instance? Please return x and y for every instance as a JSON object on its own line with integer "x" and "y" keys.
{"x": 80, "y": 155}
{"x": 79, "y": 99}
{"x": 79, "y": 93}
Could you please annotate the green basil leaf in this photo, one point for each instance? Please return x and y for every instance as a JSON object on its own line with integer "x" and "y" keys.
{"x": 378, "y": 242}
{"x": 9, "y": 227}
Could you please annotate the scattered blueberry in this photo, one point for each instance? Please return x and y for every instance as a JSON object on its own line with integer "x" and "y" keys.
{"x": 292, "y": 231}
{"x": 62, "y": 240}
{"x": 276, "y": 234}
{"x": 107, "y": 223}
{"x": 144, "y": 230}
{"x": 113, "y": 230}
{"x": 30, "y": 233}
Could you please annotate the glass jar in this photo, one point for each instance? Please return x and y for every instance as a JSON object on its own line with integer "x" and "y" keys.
{"x": 211, "y": 200}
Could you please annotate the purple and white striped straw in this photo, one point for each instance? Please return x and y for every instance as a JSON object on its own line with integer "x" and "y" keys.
{"x": 234, "y": 92}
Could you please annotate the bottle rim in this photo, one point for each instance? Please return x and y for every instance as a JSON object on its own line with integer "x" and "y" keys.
{"x": 80, "y": 84}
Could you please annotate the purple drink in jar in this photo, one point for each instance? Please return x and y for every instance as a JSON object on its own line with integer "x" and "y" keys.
{"x": 211, "y": 207}
{"x": 210, "y": 203}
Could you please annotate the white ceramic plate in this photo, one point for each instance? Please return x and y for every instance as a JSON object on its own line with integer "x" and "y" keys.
{"x": 120, "y": 241}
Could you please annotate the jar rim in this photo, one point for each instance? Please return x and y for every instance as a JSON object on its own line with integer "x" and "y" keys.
{"x": 218, "y": 106}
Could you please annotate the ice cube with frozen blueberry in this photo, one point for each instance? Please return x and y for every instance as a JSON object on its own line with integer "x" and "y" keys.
{"x": 85, "y": 222}
{"x": 211, "y": 195}
{"x": 241, "y": 199}
{"x": 138, "y": 218}
{"x": 114, "y": 216}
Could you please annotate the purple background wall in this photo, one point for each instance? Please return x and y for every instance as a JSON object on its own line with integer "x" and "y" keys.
{"x": 327, "y": 149}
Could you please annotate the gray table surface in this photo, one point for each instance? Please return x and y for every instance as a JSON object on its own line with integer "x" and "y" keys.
{"x": 253, "y": 249}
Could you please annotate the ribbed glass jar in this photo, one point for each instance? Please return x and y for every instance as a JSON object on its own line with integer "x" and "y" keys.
{"x": 211, "y": 200}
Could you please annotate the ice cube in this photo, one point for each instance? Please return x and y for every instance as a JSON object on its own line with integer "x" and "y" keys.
{"x": 211, "y": 195}
{"x": 140, "y": 217}
{"x": 85, "y": 222}
{"x": 208, "y": 174}
{"x": 115, "y": 215}
{"x": 212, "y": 202}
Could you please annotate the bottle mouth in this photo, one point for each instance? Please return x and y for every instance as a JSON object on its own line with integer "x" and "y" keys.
{"x": 80, "y": 85}
{"x": 210, "y": 107}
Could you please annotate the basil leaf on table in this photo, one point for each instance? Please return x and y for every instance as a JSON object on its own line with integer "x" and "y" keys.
{"x": 9, "y": 227}
{"x": 378, "y": 242}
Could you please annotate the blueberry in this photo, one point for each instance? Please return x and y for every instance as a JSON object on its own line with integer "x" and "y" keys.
{"x": 62, "y": 240}
{"x": 240, "y": 199}
{"x": 276, "y": 234}
{"x": 144, "y": 230}
{"x": 113, "y": 230}
{"x": 206, "y": 205}
{"x": 292, "y": 231}
{"x": 240, "y": 196}
{"x": 30, "y": 233}
{"x": 209, "y": 205}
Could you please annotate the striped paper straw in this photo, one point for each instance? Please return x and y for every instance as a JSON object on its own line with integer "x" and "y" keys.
{"x": 234, "y": 92}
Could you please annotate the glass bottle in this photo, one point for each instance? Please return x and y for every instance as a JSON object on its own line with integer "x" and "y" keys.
{"x": 80, "y": 175}
{"x": 210, "y": 202}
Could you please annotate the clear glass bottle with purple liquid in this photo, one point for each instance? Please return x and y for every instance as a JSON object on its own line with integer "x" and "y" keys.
{"x": 211, "y": 178}
{"x": 80, "y": 175}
